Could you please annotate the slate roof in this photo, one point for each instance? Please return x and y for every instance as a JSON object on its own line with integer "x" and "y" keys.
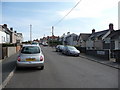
{"x": 84, "y": 36}
{"x": 114, "y": 34}
{"x": 99, "y": 34}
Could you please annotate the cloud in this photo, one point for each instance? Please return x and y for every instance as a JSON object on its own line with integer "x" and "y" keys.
{"x": 90, "y": 9}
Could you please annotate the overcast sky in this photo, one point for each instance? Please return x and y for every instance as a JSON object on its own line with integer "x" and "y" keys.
{"x": 43, "y": 14}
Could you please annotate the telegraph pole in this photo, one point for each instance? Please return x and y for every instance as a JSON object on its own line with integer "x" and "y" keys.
{"x": 52, "y": 30}
{"x": 30, "y": 33}
{"x": 52, "y": 34}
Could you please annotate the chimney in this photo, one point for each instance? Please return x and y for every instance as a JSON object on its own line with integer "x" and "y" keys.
{"x": 15, "y": 31}
{"x": 11, "y": 29}
{"x": 93, "y": 31}
{"x": 68, "y": 33}
{"x": 5, "y": 25}
{"x": 111, "y": 26}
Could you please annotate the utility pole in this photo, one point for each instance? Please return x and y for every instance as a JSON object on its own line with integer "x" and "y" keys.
{"x": 30, "y": 33}
{"x": 52, "y": 34}
{"x": 52, "y": 30}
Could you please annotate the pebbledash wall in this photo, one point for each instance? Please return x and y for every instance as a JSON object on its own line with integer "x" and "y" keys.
{"x": 11, "y": 51}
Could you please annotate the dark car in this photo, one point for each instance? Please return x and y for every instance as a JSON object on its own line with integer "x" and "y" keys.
{"x": 59, "y": 48}
{"x": 70, "y": 50}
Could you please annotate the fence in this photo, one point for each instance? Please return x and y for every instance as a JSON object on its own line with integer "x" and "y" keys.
{"x": 117, "y": 55}
{"x": 4, "y": 52}
{"x": 9, "y": 51}
{"x": 0, "y": 51}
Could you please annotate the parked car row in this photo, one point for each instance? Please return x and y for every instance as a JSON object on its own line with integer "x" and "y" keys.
{"x": 67, "y": 50}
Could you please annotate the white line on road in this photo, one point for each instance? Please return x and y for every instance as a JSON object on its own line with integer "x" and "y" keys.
{"x": 7, "y": 79}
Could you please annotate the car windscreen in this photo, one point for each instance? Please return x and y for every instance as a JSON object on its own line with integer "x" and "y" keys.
{"x": 71, "y": 48}
{"x": 30, "y": 50}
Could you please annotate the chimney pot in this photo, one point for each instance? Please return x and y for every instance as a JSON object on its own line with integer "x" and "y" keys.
{"x": 5, "y": 25}
{"x": 111, "y": 26}
{"x": 68, "y": 33}
{"x": 93, "y": 31}
{"x": 11, "y": 29}
{"x": 15, "y": 31}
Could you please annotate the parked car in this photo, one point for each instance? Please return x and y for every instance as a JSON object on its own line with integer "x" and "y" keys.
{"x": 59, "y": 48}
{"x": 31, "y": 56}
{"x": 45, "y": 44}
{"x": 71, "y": 50}
{"x": 35, "y": 43}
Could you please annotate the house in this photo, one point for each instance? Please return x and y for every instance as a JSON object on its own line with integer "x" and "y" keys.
{"x": 53, "y": 38}
{"x": 82, "y": 39}
{"x": 19, "y": 38}
{"x": 62, "y": 39}
{"x": 10, "y": 36}
{"x": 71, "y": 39}
{"x": 112, "y": 41}
{"x": 2, "y": 35}
{"x": 95, "y": 41}
{"x": 8, "y": 33}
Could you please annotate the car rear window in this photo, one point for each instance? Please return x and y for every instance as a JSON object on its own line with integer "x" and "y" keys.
{"x": 30, "y": 50}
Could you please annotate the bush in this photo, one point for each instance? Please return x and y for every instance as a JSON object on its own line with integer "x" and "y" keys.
{"x": 27, "y": 42}
{"x": 8, "y": 45}
{"x": 54, "y": 43}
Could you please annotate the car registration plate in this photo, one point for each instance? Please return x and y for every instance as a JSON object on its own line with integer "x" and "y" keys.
{"x": 30, "y": 59}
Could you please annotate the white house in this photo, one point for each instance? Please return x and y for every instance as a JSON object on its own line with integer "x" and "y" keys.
{"x": 4, "y": 37}
{"x": 71, "y": 39}
{"x": 19, "y": 38}
{"x": 82, "y": 39}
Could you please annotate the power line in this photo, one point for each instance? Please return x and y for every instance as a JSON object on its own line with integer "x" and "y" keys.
{"x": 67, "y": 13}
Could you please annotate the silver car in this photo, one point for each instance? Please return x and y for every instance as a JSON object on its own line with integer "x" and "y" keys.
{"x": 31, "y": 56}
{"x": 59, "y": 48}
{"x": 70, "y": 50}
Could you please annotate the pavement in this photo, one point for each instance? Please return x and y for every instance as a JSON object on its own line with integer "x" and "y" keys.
{"x": 110, "y": 63}
{"x": 8, "y": 68}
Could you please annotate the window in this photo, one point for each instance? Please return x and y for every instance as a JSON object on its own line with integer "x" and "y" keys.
{"x": 30, "y": 50}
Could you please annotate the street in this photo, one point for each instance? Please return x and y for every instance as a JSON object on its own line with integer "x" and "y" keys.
{"x": 65, "y": 72}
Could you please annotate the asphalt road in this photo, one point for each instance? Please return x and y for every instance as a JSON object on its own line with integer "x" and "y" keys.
{"x": 65, "y": 72}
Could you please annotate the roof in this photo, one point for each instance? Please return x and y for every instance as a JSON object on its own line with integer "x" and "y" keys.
{"x": 99, "y": 34}
{"x": 84, "y": 36}
{"x": 71, "y": 34}
{"x": 20, "y": 34}
{"x": 114, "y": 34}
{"x": 25, "y": 45}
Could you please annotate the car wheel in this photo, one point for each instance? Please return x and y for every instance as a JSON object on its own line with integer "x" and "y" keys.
{"x": 42, "y": 67}
{"x": 17, "y": 68}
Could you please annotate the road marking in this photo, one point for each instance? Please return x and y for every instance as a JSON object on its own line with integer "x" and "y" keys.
{"x": 7, "y": 79}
